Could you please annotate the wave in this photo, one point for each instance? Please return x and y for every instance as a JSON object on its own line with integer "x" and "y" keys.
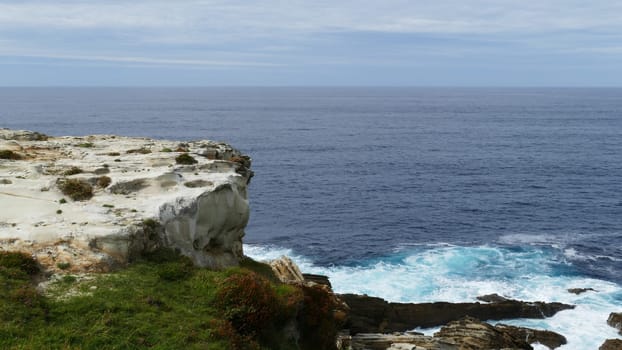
{"x": 443, "y": 272}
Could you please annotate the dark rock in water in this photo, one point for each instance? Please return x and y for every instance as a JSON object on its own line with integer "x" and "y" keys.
{"x": 611, "y": 344}
{"x": 492, "y": 298}
{"x": 551, "y": 339}
{"x": 472, "y": 334}
{"x": 319, "y": 279}
{"x": 615, "y": 320}
{"x": 578, "y": 291}
{"x": 375, "y": 315}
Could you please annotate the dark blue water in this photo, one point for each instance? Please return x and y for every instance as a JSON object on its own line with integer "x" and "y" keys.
{"x": 345, "y": 175}
{"x": 408, "y": 194}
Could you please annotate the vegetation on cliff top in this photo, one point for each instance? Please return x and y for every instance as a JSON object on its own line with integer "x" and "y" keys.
{"x": 76, "y": 189}
{"x": 162, "y": 302}
{"x": 8, "y": 154}
{"x": 186, "y": 159}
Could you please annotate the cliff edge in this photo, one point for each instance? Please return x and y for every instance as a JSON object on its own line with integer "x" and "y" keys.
{"x": 96, "y": 202}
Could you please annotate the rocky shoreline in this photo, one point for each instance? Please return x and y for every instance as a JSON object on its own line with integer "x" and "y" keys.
{"x": 96, "y": 203}
{"x": 372, "y": 323}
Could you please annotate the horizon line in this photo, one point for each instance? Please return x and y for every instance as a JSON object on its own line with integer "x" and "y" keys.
{"x": 321, "y": 86}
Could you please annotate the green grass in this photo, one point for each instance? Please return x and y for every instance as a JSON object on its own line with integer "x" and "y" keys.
{"x": 162, "y": 302}
{"x": 85, "y": 145}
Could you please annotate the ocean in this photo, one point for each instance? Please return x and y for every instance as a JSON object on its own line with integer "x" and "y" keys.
{"x": 410, "y": 194}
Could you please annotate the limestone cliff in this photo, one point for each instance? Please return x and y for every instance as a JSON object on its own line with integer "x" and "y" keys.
{"x": 98, "y": 201}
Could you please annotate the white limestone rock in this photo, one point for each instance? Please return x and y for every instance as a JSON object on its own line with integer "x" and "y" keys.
{"x": 286, "y": 270}
{"x": 200, "y": 209}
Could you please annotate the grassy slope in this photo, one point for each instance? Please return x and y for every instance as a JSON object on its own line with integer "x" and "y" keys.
{"x": 158, "y": 305}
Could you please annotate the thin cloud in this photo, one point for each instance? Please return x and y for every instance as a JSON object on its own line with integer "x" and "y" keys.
{"x": 448, "y": 16}
{"x": 141, "y": 60}
{"x": 342, "y": 37}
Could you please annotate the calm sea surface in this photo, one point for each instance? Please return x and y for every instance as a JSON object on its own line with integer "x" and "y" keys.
{"x": 519, "y": 189}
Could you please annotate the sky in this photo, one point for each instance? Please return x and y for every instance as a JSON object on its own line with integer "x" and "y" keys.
{"x": 311, "y": 43}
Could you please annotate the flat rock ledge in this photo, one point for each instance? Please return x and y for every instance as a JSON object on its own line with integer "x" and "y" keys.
{"x": 464, "y": 334}
{"x": 375, "y": 315}
{"x": 96, "y": 202}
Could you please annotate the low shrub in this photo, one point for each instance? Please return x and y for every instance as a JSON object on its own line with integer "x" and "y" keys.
{"x": 63, "y": 265}
{"x": 317, "y": 321}
{"x": 76, "y": 189}
{"x": 142, "y": 150}
{"x": 114, "y": 154}
{"x": 222, "y": 329}
{"x": 8, "y": 154}
{"x": 103, "y": 181}
{"x": 72, "y": 171}
{"x": 86, "y": 145}
{"x": 248, "y": 301}
{"x": 185, "y": 159}
{"x": 19, "y": 260}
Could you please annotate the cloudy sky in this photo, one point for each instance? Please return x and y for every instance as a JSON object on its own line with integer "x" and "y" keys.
{"x": 312, "y": 42}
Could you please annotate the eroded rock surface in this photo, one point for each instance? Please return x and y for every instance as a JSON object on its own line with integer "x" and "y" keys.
{"x": 394, "y": 341}
{"x": 472, "y": 334}
{"x": 464, "y": 334}
{"x": 551, "y": 339}
{"x": 141, "y": 198}
{"x": 286, "y": 270}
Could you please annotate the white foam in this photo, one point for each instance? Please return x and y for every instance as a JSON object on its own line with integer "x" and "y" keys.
{"x": 526, "y": 238}
{"x": 459, "y": 274}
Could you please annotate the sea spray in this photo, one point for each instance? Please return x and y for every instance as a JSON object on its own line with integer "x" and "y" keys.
{"x": 459, "y": 274}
